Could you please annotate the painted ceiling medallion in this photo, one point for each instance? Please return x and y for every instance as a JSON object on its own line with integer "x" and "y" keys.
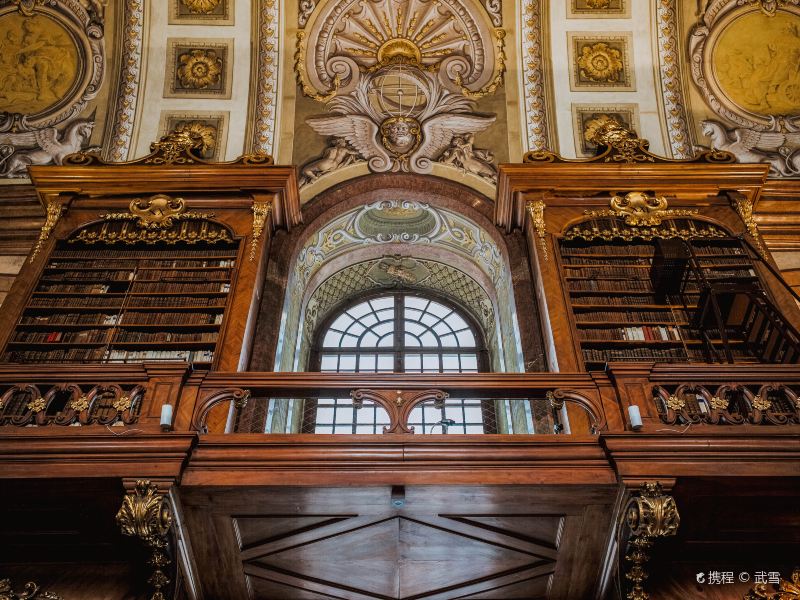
{"x": 744, "y": 62}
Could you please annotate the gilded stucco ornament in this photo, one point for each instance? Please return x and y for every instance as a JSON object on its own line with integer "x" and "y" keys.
{"x": 199, "y": 68}
{"x": 741, "y": 52}
{"x": 670, "y": 69}
{"x": 377, "y": 131}
{"x": 744, "y": 208}
{"x": 600, "y": 62}
{"x": 40, "y": 122}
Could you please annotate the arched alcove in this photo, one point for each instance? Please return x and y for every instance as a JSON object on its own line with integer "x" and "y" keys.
{"x": 384, "y": 221}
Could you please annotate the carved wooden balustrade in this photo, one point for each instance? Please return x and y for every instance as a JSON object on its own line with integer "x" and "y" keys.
{"x": 107, "y": 395}
{"x": 133, "y": 395}
{"x": 510, "y": 403}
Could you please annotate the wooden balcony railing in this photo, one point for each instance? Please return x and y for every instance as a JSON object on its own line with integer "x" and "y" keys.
{"x": 705, "y": 396}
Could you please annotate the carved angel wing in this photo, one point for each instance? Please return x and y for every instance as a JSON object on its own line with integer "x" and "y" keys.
{"x": 360, "y": 131}
{"x": 438, "y": 132}
{"x": 759, "y": 140}
{"x": 22, "y": 140}
{"x": 48, "y": 140}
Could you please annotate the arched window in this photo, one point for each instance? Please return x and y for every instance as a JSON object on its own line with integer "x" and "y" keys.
{"x": 398, "y": 332}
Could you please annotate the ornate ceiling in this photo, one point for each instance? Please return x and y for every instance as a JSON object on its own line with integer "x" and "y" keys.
{"x": 343, "y": 88}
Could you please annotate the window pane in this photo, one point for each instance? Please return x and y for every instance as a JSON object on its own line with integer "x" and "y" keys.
{"x": 347, "y": 362}
{"x": 349, "y": 341}
{"x": 384, "y": 302}
{"x": 429, "y": 340}
{"x": 370, "y": 340}
{"x": 412, "y": 341}
{"x": 332, "y": 339}
{"x": 342, "y": 322}
{"x": 329, "y": 362}
{"x": 366, "y": 362}
{"x": 430, "y": 362}
{"x": 438, "y": 310}
{"x": 359, "y": 310}
{"x": 465, "y": 338}
{"x": 386, "y": 362}
{"x": 469, "y": 362}
{"x": 416, "y": 302}
{"x": 413, "y": 363}
{"x": 450, "y": 363}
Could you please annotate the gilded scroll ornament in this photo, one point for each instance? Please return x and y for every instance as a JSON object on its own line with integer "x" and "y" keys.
{"x": 157, "y": 212}
{"x": 54, "y": 211}
{"x": 145, "y": 514}
{"x": 261, "y": 211}
{"x": 640, "y": 210}
{"x": 650, "y": 514}
{"x": 31, "y": 591}
{"x": 787, "y": 589}
{"x": 536, "y": 211}
{"x": 744, "y": 208}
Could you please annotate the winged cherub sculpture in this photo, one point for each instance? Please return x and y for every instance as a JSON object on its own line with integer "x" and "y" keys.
{"x": 397, "y": 134}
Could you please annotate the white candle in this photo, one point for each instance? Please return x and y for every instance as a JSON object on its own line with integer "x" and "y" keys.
{"x": 635, "y": 417}
{"x": 166, "y": 417}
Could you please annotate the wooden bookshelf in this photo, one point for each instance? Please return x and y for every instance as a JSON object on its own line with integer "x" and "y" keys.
{"x": 119, "y": 303}
{"x": 619, "y": 316}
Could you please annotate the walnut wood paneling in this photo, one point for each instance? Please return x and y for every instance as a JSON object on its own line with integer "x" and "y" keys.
{"x": 21, "y": 217}
{"x": 443, "y": 543}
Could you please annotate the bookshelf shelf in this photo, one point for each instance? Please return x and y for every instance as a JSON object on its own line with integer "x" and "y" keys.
{"x": 100, "y": 303}
{"x": 620, "y": 315}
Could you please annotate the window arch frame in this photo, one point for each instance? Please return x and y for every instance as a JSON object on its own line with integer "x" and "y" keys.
{"x": 398, "y": 348}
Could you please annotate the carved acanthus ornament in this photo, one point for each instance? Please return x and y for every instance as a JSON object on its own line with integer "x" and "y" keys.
{"x": 744, "y": 208}
{"x": 261, "y": 212}
{"x": 55, "y": 208}
{"x": 145, "y": 513}
{"x": 669, "y": 47}
{"x": 31, "y": 591}
{"x": 536, "y": 211}
{"x": 638, "y": 209}
{"x": 650, "y": 514}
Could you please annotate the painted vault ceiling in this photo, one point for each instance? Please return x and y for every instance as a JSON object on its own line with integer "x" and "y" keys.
{"x": 343, "y": 88}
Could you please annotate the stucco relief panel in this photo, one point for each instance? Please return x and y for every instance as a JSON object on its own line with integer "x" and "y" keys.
{"x": 52, "y": 66}
{"x": 744, "y": 66}
{"x": 401, "y": 82}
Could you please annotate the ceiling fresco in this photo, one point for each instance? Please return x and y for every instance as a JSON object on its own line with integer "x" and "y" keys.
{"x": 343, "y": 88}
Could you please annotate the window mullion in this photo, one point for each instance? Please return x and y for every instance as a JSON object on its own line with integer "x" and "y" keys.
{"x": 399, "y": 333}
